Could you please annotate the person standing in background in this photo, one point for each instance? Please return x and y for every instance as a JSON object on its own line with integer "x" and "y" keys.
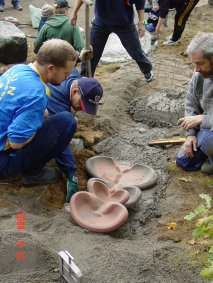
{"x": 58, "y": 26}
{"x": 118, "y": 17}
{"x": 15, "y": 4}
{"x": 183, "y": 10}
{"x": 46, "y": 12}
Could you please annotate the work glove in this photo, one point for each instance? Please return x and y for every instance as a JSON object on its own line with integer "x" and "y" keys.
{"x": 86, "y": 54}
{"x": 72, "y": 187}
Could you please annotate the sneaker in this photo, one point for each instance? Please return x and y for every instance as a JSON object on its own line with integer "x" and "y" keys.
{"x": 72, "y": 188}
{"x": 207, "y": 167}
{"x": 148, "y": 76}
{"x": 170, "y": 42}
{"x": 45, "y": 175}
{"x": 18, "y": 7}
{"x": 170, "y": 37}
{"x": 1, "y": 8}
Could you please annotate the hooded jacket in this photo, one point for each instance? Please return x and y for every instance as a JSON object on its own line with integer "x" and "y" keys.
{"x": 59, "y": 26}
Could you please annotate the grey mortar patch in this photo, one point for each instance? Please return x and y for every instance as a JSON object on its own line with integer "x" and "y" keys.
{"x": 161, "y": 109}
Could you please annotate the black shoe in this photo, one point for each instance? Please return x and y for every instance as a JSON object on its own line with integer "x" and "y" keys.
{"x": 45, "y": 175}
{"x": 18, "y": 7}
{"x": 148, "y": 76}
{"x": 1, "y": 8}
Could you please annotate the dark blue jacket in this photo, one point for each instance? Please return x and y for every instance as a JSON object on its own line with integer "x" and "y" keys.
{"x": 59, "y": 99}
{"x": 116, "y": 12}
{"x": 41, "y": 23}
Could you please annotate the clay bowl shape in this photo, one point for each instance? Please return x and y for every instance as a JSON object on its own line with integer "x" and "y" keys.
{"x": 97, "y": 216}
{"x": 103, "y": 192}
{"x": 135, "y": 195}
{"x": 104, "y": 189}
{"x": 103, "y": 167}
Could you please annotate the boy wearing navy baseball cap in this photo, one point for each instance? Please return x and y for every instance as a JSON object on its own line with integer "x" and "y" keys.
{"x": 91, "y": 92}
{"x": 81, "y": 94}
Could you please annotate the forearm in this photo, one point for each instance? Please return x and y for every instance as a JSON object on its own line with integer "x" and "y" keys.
{"x": 77, "y": 6}
{"x": 140, "y": 16}
{"x": 160, "y": 23}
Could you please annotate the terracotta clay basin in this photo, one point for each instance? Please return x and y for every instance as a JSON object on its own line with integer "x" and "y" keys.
{"x": 105, "y": 191}
{"x": 95, "y": 215}
{"x": 103, "y": 167}
{"x": 135, "y": 195}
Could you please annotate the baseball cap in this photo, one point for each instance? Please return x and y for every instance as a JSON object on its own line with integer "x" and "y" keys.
{"x": 62, "y": 4}
{"x": 91, "y": 92}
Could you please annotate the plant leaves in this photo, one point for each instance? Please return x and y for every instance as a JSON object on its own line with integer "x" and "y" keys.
{"x": 198, "y": 210}
{"x": 207, "y": 198}
{"x": 207, "y": 273}
{"x": 198, "y": 233}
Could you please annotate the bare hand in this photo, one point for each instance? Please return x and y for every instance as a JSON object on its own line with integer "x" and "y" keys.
{"x": 46, "y": 114}
{"x": 157, "y": 31}
{"x": 190, "y": 122}
{"x": 141, "y": 29}
{"x": 73, "y": 19}
{"x": 190, "y": 146}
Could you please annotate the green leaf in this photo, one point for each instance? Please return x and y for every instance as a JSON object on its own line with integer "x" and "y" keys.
{"x": 198, "y": 210}
{"x": 190, "y": 216}
{"x": 198, "y": 233}
{"x": 207, "y": 198}
{"x": 211, "y": 250}
{"x": 207, "y": 273}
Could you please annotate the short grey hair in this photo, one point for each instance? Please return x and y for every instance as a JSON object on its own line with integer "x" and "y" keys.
{"x": 203, "y": 42}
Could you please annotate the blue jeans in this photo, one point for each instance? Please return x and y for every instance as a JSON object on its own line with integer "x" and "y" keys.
{"x": 49, "y": 142}
{"x": 204, "y": 151}
{"x": 130, "y": 40}
{"x": 13, "y": 2}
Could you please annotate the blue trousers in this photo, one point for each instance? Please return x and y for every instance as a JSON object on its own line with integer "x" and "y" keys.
{"x": 130, "y": 40}
{"x": 49, "y": 142}
{"x": 13, "y": 2}
{"x": 204, "y": 151}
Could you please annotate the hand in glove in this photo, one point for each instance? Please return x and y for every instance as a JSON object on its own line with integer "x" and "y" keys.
{"x": 86, "y": 54}
{"x": 72, "y": 187}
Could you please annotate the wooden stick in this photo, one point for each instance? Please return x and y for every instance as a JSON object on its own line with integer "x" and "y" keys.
{"x": 173, "y": 140}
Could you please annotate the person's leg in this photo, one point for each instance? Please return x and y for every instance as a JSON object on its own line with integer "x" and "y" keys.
{"x": 130, "y": 40}
{"x": 98, "y": 39}
{"x": 16, "y": 5}
{"x": 205, "y": 150}
{"x": 183, "y": 12}
{"x": 188, "y": 163}
{"x": 50, "y": 140}
{"x": 2, "y": 5}
{"x": 207, "y": 145}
